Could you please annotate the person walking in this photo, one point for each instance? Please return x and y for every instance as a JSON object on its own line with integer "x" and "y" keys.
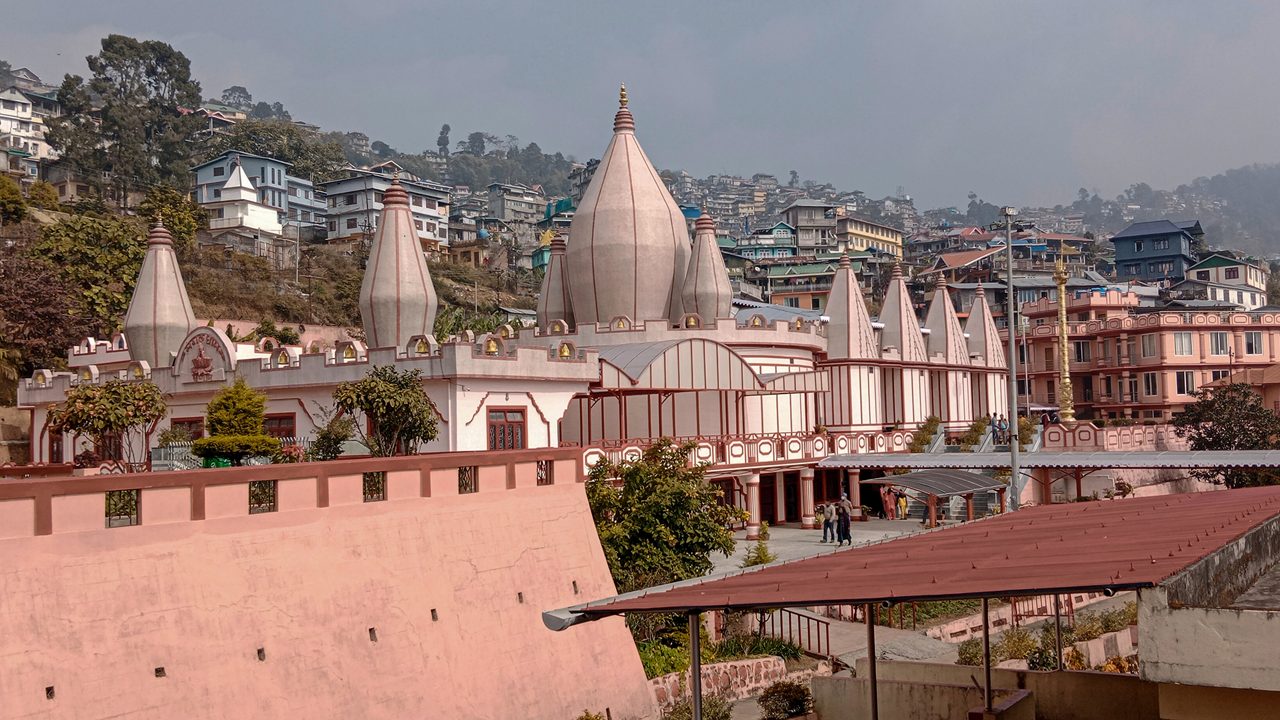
{"x": 829, "y": 522}
{"x": 1003, "y": 425}
{"x": 901, "y": 499}
{"x": 994, "y": 422}
{"x": 844, "y": 514}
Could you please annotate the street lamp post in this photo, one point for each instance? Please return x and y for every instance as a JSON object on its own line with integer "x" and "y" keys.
{"x": 1011, "y": 305}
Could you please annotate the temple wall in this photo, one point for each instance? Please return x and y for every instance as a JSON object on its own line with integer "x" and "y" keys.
{"x": 855, "y": 401}
{"x": 412, "y": 607}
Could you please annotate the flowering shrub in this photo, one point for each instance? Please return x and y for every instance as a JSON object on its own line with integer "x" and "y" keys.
{"x": 290, "y": 454}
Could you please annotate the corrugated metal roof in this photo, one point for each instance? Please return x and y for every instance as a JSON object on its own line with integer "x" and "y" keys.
{"x": 1109, "y": 459}
{"x": 1120, "y": 544}
{"x": 940, "y": 483}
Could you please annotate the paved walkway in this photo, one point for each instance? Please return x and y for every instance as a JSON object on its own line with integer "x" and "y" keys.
{"x": 791, "y": 542}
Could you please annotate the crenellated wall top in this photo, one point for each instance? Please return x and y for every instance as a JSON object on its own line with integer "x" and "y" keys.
{"x": 207, "y": 359}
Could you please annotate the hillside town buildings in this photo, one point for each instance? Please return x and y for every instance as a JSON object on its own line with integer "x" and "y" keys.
{"x": 355, "y": 204}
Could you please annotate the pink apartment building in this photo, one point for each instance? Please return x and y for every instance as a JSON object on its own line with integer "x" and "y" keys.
{"x": 1138, "y": 362}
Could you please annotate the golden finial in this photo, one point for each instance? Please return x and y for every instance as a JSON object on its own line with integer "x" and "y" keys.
{"x": 622, "y": 95}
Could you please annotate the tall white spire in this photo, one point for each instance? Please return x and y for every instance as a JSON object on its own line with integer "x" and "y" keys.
{"x": 946, "y": 339}
{"x": 628, "y": 244}
{"x": 849, "y": 332}
{"x": 397, "y": 297}
{"x": 159, "y": 315}
{"x": 706, "y": 283}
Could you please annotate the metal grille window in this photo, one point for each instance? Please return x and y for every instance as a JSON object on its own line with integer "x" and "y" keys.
{"x": 468, "y": 479}
{"x": 546, "y": 472}
{"x": 375, "y": 486}
{"x": 506, "y": 429}
{"x": 262, "y": 496}
{"x": 123, "y": 508}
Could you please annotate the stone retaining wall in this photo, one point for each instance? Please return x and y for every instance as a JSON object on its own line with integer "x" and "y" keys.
{"x": 735, "y": 679}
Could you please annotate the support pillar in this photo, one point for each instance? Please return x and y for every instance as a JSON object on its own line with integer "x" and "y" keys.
{"x": 1079, "y": 491}
{"x": 968, "y": 506}
{"x": 1000, "y": 493}
{"x": 855, "y": 493}
{"x": 753, "y": 506}
{"x": 869, "y": 615}
{"x": 932, "y": 509}
{"x": 986, "y": 655}
{"x": 806, "y": 499}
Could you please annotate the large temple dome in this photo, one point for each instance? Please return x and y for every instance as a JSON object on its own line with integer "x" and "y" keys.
{"x": 628, "y": 244}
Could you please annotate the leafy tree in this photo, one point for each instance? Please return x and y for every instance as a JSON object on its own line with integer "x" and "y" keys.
{"x": 115, "y": 408}
{"x": 269, "y": 111}
{"x": 38, "y": 313}
{"x": 43, "y": 196}
{"x": 794, "y": 180}
{"x": 657, "y": 517}
{"x": 382, "y": 150}
{"x": 399, "y": 413}
{"x": 99, "y": 260}
{"x": 442, "y": 140}
{"x": 475, "y": 144}
{"x": 1231, "y": 417}
{"x": 235, "y": 419}
{"x": 182, "y": 217}
{"x": 132, "y": 118}
{"x": 453, "y": 320}
{"x": 334, "y": 429}
{"x": 312, "y": 157}
{"x": 6, "y": 74}
{"x": 13, "y": 208}
{"x": 237, "y": 96}
{"x": 267, "y": 328}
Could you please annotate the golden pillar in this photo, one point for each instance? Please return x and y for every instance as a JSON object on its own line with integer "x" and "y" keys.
{"x": 1066, "y": 405}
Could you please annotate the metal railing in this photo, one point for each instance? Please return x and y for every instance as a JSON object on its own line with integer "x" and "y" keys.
{"x": 811, "y": 634}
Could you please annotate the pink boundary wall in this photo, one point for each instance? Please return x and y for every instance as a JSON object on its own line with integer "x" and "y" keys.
{"x": 452, "y": 586}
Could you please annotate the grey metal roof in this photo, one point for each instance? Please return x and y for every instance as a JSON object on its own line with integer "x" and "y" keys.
{"x": 1157, "y": 227}
{"x": 940, "y": 483}
{"x": 1171, "y": 459}
{"x": 633, "y": 358}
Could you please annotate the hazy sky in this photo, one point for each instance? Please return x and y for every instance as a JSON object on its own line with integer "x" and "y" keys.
{"x": 1021, "y": 102}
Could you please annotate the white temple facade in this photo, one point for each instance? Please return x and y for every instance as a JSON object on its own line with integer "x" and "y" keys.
{"x": 636, "y": 340}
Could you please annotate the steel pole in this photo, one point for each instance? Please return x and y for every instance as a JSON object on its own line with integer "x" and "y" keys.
{"x": 986, "y": 655}
{"x": 1011, "y": 312}
{"x": 695, "y": 664}
{"x": 1057, "y": 623}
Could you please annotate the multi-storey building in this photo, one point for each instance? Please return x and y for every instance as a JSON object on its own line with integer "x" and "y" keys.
{"x": 1156, "y": 251}
{"x": 21, "y": 128}
{"x": 815, "y": 224}
{"x": 295, "y": 199}
{"x": 856, "y": 234}
{"x": 1224, "y": 277}
{"x": 1137, "y": 362}
{"x": 579, "y": 177}
{"x": 355, "y": 204}
{"x": 516, "y": 203}
{"x": 767, "y": 243}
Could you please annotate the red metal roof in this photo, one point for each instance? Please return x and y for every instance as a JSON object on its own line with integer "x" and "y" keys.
{"x": 1122, "y": 544}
